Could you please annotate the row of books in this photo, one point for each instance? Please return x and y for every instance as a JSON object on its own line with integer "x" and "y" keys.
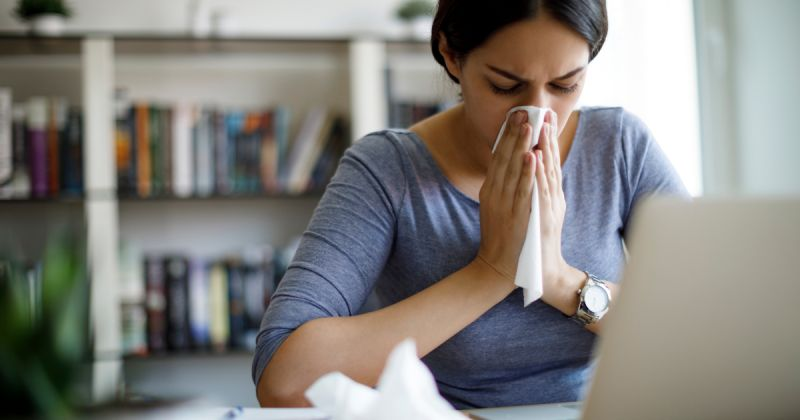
{"x": 405, "y": 114}
{"x": 41, "y": 147}
{"x": 197, "y": 304}
{"x": 200, "y": 150}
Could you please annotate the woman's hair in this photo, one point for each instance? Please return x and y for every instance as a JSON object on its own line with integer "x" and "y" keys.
{"x": 466, "y": 24}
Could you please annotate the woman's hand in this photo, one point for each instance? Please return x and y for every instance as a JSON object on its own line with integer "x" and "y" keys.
{"x": 505, "y": 198}
{"x": 553, "y": 207}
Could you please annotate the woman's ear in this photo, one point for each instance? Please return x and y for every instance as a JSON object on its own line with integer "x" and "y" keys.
{"x": 450, "y": 59}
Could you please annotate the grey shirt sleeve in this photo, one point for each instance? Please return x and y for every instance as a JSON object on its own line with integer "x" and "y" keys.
{"x": 648, "y": 170}
{"x": 345, "y": 247}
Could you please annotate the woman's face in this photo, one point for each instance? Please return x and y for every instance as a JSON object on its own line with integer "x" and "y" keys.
{"x": 538, "y": 62}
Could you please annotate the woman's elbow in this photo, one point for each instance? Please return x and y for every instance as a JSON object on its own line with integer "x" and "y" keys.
{"x": 273, "y": 392}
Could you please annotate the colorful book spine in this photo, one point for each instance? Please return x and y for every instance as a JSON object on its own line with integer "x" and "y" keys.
{"x": 124, "y": 142}
{"x": 219, "y": 323}
{"x": 143, "y": 165}
{"x": 57, "y": 117}
{"x": 182, "y": 162}
{"x": 37, "y": 145}
{"x": 199, "y": 309}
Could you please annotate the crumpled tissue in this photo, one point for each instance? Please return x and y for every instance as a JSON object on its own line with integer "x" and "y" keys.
{"x": 406, "y": 390}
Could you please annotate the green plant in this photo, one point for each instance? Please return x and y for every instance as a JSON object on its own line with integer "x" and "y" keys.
{"x": 29, "y": 9}
{"x": 413, "y": 9}
{"x": 43, "y": 330}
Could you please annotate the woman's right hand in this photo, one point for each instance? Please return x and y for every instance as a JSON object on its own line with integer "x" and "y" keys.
{"x": 505, "y": 198}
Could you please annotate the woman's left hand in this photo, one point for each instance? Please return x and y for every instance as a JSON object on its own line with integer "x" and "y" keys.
{"x": 552, "y": 207}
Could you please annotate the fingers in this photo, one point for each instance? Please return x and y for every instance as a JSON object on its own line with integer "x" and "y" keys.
{"x": 524, "y": 190}
{"x": 516, "y": 162}
{"x": 505, "y": 149}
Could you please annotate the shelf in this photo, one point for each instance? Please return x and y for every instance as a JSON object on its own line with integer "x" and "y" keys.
{"x": 219, "y": 197}
{"x": 22, "y": 44}
{"x": 49, "y": 200}
{"x": 190, "y": 355}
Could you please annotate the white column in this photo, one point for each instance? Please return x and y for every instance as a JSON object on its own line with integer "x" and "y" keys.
{"x": 367, "y": 86}
{"x": 101, "y": 215}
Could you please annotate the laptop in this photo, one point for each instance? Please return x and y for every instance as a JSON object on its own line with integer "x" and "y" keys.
{"x": 707, "y": 323}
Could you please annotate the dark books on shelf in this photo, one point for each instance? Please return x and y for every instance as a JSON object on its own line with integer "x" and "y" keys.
{"x": 195, "y": 150}
{"x": 199, "y": 304}
{"x": 45, "y": 139}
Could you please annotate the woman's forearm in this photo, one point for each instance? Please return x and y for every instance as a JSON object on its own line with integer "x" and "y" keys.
{"x": 359, "y": 345}
{"x": 565, "y": 297}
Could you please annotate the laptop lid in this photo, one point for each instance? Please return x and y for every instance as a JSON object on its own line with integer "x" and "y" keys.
{"x": 707, "y": 323}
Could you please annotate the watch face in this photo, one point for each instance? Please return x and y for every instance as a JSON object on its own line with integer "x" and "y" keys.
{"x": 596, "y": 299}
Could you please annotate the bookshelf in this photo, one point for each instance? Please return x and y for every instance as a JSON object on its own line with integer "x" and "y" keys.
{"x": 357, "y": 78}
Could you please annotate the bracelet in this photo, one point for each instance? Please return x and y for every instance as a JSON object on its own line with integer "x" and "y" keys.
{"x": 502, "y": 274}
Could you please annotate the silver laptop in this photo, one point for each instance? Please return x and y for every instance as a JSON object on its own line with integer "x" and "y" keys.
{"x": 707, "y": 324}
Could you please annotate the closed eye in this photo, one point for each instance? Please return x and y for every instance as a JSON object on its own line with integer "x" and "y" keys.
{"x": 506, "y": 91}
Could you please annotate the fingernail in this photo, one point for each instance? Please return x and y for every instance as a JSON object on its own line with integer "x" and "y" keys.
{"x": 519, "y": 117}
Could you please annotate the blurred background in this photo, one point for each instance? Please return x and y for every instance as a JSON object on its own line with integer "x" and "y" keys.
{"x": 158, "y": 160}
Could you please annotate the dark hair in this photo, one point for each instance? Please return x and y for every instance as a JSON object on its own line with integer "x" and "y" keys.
{"x": 466, "y": 24}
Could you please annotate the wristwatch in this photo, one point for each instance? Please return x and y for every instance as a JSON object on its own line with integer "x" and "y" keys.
{"x": 594, "y": 300}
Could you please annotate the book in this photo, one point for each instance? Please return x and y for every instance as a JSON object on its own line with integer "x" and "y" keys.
{"x": 20, "y": 185}
{"x": 328, "y": 161}
{"x": 176, "y": 280}
{"x": 220, "y": 140}
{"x": 156, "y": 151}
{"x": 143, "y": 164}
{"x": 72, "y": 153}
{"x": 236, "y": 314}
{"x": 219, "y": 322}
{"x": 6, "y": 139}
{"x": 57, "y": 118}
{"x": 155, "y": 305}
{"x": 124, "y": 142}
{"x": 37, "y": 145}
{"x": 134, "y": 329}
{"x": 199, "y": 308}
{"x": 203, "y": 153}
{"x": 182, "y": 162}
{"x": 308, "y": 145}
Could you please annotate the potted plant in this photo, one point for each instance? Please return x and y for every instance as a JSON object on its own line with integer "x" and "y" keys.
{"x": 45, "y": 17}
{"x": 418, "y": 16}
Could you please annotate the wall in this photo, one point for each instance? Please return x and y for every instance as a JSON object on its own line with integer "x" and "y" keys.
{"x": 750, "y": 73}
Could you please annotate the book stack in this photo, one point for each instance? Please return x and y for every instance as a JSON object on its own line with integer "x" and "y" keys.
{"x": 177, "y": 303}
{"x": 41, "y": 148}
{"x": 189, "y": 150}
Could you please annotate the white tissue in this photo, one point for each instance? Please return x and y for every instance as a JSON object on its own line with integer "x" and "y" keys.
{"x": 406, "y": 390}
{"x": 529, "y": 265}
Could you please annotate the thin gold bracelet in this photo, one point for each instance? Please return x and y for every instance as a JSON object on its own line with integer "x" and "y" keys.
{"x": 504, "y": 275}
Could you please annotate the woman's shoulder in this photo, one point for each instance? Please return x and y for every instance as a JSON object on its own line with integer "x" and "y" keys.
{"x": 389, "y": 146}
{"x": 629, "y": 132}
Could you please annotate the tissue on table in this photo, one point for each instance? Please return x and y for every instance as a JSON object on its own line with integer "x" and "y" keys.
{"x": 529, "y": 265}
{"x": 406, "y": 390}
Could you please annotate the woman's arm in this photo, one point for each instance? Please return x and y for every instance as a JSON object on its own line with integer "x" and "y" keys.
{"x": 564, "y": 296}
{"x": 358, "y": 346}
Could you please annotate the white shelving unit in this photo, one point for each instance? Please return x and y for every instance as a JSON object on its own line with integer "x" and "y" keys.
{"x": 347, "y": 75}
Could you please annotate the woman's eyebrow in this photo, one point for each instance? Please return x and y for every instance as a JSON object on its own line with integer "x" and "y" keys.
{"x": 508, "y": 75}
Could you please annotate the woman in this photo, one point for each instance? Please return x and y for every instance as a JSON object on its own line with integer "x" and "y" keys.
{"x": 402, "y": 217}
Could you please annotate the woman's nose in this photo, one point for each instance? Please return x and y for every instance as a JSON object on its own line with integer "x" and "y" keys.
{"x": 537, "y": 97}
